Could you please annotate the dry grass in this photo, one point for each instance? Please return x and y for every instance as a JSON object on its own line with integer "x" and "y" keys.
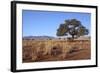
{"x": 55, "y": 50}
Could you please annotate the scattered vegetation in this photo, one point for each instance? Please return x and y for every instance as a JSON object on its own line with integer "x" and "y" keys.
{"x": 54, "y": 50}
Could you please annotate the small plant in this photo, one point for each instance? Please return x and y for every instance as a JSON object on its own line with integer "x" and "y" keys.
{"x": 27, "y": 53}
{"x": 74, "y": 49}
{"x": 56, "y": 51}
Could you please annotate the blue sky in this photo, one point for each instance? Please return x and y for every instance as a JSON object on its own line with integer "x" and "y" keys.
{"x": 45, "y": 23}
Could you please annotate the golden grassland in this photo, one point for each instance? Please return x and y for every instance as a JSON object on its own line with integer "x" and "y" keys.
{"x": 55, "y": 50}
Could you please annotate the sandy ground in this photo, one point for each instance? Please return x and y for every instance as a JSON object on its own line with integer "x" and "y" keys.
{"x": 79, "y": 55}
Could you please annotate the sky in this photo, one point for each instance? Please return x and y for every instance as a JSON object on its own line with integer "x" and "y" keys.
{"x": 46, "y": 23}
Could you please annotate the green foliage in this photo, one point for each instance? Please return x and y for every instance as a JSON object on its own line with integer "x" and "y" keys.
{"x": 62, "y": 30}
{"x": 72, "y": 27}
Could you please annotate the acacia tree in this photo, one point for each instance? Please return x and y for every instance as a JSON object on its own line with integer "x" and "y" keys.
{"x": 72, "y": 27}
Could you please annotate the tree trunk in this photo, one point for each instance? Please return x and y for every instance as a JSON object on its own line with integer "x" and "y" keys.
{"x": 72, "y": 36}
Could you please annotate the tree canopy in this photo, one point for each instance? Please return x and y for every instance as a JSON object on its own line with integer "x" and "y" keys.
{"x": 72, "y": 27}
